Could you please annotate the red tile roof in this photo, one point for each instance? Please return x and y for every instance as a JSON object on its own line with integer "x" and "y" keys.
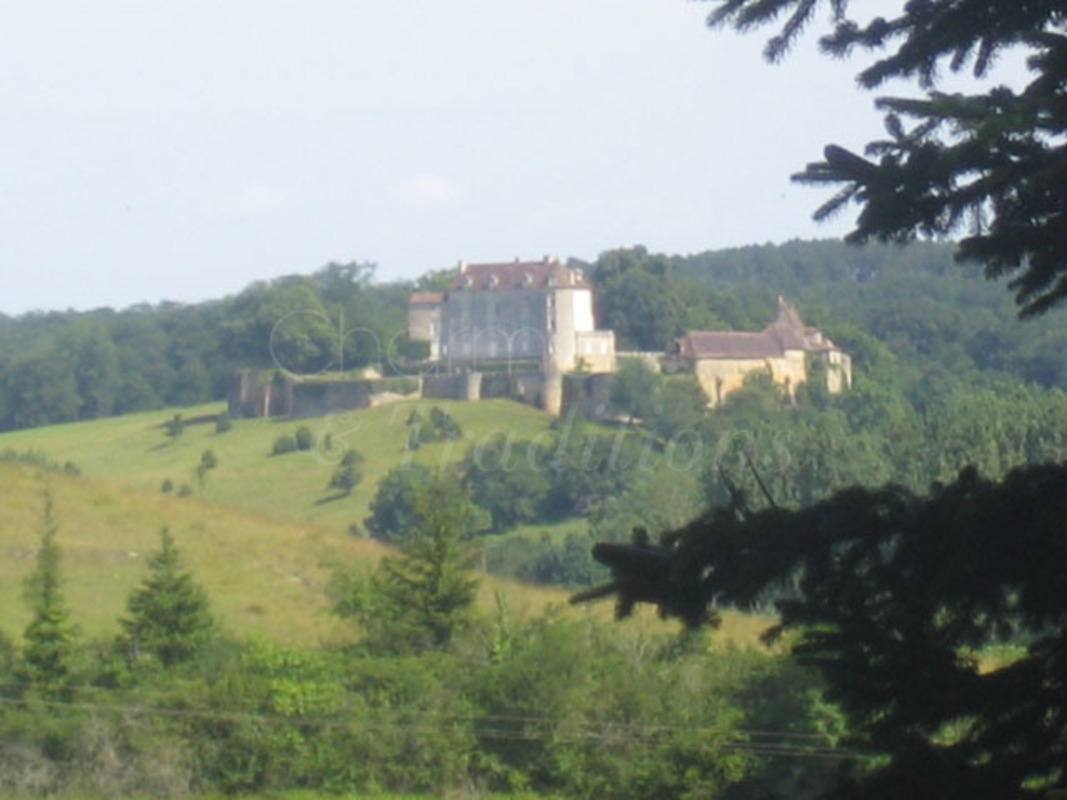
{"x": 426, "y": 298}
{"x": 727, "y": 344}
{"x": 787, "y": 332}
{"x": 549, "y": 273}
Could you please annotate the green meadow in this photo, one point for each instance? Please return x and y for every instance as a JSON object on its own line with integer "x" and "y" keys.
{"x": 134, "y": 451}
{"x": 263, "y": 534}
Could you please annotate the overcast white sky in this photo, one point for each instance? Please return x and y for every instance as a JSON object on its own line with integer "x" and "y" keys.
{"x": 181, "y": 150}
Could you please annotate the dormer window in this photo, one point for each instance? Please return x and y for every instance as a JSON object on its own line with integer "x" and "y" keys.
{"x": 527, "y": 280}
{"x": 494, "y": 281}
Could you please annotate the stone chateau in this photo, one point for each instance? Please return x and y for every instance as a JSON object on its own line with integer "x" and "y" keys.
{"x": 542, "y": 313}
{"x": 526, "y": 330}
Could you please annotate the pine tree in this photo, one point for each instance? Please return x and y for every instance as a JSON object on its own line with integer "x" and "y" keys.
{"x": 51, "y": 635}
{"x": 893, "y": 598}
{"x": 168, "y": 613}
{"x": 422, "y": 597}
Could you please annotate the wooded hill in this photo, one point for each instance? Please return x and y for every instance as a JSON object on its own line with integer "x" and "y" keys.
{"x": 933, "y": 315}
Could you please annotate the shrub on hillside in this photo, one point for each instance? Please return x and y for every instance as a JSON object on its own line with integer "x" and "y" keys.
{"x": 440, "y": 427}
{"x": 305, "y": 439}
{"x": 347, "y": 475}
{"x": 285, "y": 443}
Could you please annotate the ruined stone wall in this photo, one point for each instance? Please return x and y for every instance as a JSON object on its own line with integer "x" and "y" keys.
{"x": 255, "y": 394}
{"x": 458, "y": 386}
{"x": 314, "y": 399}
{"x": 258, "y": 394}
{"x": 523, "y": 387}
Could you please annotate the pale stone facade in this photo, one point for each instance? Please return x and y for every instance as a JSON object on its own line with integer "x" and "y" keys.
{"x": 518, "y": 311}
{"x": 523, "y": 314}
{"x": 536, "y": 318}
{"x": 424, "y": 320}
{"x": 786, "y": 350}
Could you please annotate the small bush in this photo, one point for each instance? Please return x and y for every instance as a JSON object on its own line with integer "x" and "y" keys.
{"x": 443, "y": 424}
{"x": 441, "y": 427}
{"x": 167, "y": 487}
{"x": 305, "y": 439}
{"x": 174, "y": 427}
{"x": 284, "y": 444}
{"x": 347, "y": 475}
{"x": 185, "y": 491}
{"x": 223, "y": 422}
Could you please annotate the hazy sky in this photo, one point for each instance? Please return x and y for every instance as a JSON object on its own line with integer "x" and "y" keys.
{"x": 180, "y": 150}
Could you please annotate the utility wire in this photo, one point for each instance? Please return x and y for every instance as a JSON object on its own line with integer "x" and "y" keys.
{"x": 604, "y": 733}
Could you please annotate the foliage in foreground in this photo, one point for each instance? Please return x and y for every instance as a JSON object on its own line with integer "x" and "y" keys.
{"x": 559, "y": 707}
{"x": 893, "y": 595}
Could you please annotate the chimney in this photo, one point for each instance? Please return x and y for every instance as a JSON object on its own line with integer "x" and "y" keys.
{"x": 462, "y": 266}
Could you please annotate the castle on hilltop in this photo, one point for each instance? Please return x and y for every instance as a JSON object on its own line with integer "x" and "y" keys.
{"x": 526, "y": 330}
{"x": 539, "y": 316}
{"x": 520, "y": 316}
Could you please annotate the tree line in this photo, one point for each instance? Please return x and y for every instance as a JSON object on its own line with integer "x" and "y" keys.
{"x": 913, "y": 302}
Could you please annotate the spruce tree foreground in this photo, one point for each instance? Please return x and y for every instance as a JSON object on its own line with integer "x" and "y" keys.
{"x": 895, "y": 596}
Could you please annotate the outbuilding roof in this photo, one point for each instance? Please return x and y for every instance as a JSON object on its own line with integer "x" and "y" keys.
{"x": 426, "y": 299}
{"x": 787, "y": 332}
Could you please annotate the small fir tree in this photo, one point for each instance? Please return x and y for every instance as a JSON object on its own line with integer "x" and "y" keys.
{"x": 174, "y": 426}
{"x": 347, "y": 475}
{"x": 419, "y": 599}
{"x": 168, "y": 613}
{"x": 223, "y": 422}
{"x": 50, "y": 637}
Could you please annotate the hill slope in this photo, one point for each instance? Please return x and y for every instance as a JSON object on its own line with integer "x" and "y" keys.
{"x": 134, "y": 451}
{"x": 259, "y": 536}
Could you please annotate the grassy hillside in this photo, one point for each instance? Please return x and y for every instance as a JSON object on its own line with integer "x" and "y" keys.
{"x": 265, "y": 576}
{"x": 261, "y": 536}
{"x": 134, "y": 451}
